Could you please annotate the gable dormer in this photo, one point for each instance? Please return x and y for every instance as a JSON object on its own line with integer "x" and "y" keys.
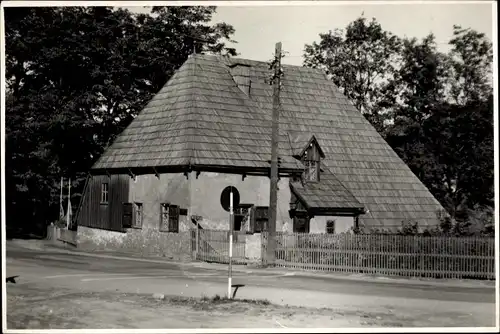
{"x": 241, "y": 75}
{"x": 311, "y": 155}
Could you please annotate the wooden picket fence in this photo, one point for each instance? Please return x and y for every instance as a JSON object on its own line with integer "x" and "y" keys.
{"x": 390, "y": 255}
{"x": 213, "y": 246}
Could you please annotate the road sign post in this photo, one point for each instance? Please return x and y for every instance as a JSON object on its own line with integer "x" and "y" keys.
{"x": 231, "y": 215}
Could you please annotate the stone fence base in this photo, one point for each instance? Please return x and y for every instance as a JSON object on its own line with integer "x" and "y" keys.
{"x": 141, "y": 242}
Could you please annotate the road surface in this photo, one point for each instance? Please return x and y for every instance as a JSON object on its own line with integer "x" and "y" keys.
{"x": 422, "y": 305}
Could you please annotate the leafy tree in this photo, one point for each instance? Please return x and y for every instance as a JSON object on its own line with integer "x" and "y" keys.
{"x": 437, "y": 108}
{"x": 421, "y": 79}
{"x": 448, "y": 145}
{"x": 361, "y": 61}
{"x": 471, "y": 60}
{"x": 76, "y": 76}
{"x": 420, "y": 85}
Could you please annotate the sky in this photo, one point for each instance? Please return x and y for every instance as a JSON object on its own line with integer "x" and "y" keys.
{"x": 259, "y": 27}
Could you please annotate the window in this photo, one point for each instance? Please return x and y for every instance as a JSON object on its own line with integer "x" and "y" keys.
{"x": 311, "y": 170}
{"x": 169, "y": 218}
{"x": 137, "y": 223}
{"x": 330, "y": 227}
{"x": 261, "y": 218}
{"x": 301, "y": 225}
{"x": 238, "y": 219}
{"x": 104, "y": 193}
{"x": 132, "y": 215}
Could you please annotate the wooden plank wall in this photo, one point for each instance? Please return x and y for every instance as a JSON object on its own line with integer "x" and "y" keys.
{"x": 105, "y": 216}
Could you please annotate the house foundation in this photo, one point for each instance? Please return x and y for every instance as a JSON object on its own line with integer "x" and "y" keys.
{"x": 145, "y": 242}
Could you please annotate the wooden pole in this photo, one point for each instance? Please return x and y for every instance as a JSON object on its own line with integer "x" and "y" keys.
{"x": 231, "y": 227}
{"x": 197, "y": 237}
{"x": 61, "y": 207}
{"x": 68, "y": 214}
{"x": 273, "y": 194}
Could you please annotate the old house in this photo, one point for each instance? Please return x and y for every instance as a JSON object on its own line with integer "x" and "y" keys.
{"x": 210, "y": 127}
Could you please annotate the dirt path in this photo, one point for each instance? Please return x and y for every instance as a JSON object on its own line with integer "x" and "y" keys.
{"x": 36, "y": 308}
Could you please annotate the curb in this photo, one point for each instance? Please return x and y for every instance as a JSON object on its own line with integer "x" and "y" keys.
{"x": 367, "y": 278}
{"x": 236, "y": 268}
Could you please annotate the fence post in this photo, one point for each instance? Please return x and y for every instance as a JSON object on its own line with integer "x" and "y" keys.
{"x": 197, "y": 238}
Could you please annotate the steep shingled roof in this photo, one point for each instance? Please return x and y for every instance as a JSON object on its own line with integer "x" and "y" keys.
{"x": 330, "y": 193}
{"x": 300, "y": 142}
{"x": 201, "y": 117}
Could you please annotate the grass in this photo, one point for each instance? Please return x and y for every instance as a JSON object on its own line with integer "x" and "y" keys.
{"x": 220, "y": 300}
{"x": 215, "y": 300}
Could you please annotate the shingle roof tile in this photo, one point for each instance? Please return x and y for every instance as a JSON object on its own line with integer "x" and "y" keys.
{"x": 201, "y": 117}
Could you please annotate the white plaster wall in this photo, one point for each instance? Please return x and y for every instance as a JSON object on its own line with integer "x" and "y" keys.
{"x": 206, "y": 191}
{"x": 253, "y": 247}
{"x": 151, "y": 191}
{"x": 342, "y": 224}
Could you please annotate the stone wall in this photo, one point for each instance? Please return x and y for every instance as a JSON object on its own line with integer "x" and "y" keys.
{"x": 145, "y": 242}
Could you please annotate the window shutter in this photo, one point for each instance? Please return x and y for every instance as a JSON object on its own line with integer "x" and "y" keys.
{"x": 164, "y": 217}
{"x": 138, "y": 215}
{"x": 127, "y": 216}
{"x": 261, "y": 218}
{"x": 173, "y": 222}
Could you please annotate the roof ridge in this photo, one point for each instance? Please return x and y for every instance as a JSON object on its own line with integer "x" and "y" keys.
{"x": 227, "y": 60}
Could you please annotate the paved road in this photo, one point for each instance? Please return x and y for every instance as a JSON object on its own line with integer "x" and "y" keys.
{"x": 105, "y": 274}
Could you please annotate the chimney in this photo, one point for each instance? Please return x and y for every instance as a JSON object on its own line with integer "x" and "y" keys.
{"x": 241, "y": 75}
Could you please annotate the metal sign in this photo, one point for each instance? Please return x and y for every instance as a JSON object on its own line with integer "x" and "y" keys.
{"x": 225, "y": 200}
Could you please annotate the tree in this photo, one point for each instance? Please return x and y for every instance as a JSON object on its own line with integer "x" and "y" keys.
{"x": 362, "y": 62}
{"x": 471, "y": 60}
{"x": 420, "y": 81}
{"x": 437, "y": 108}
{"x": 446, "y": 135}
{"x": 76, "y": 77}
{"x": 461, "y": 141}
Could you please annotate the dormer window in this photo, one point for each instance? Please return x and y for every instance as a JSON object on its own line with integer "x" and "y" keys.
{"x": 309, "y": 152}
{"x": 311, "y": 172}
{"x": 311, "y": 157}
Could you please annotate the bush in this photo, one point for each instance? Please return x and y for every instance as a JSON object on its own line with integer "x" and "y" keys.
{"x": 480, "y": 222}
{"x": 60, "y": 223}
{"x": 409, "y": 228}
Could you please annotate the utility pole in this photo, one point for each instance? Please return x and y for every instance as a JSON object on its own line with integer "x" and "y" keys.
{"x": 273, "y": 195}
